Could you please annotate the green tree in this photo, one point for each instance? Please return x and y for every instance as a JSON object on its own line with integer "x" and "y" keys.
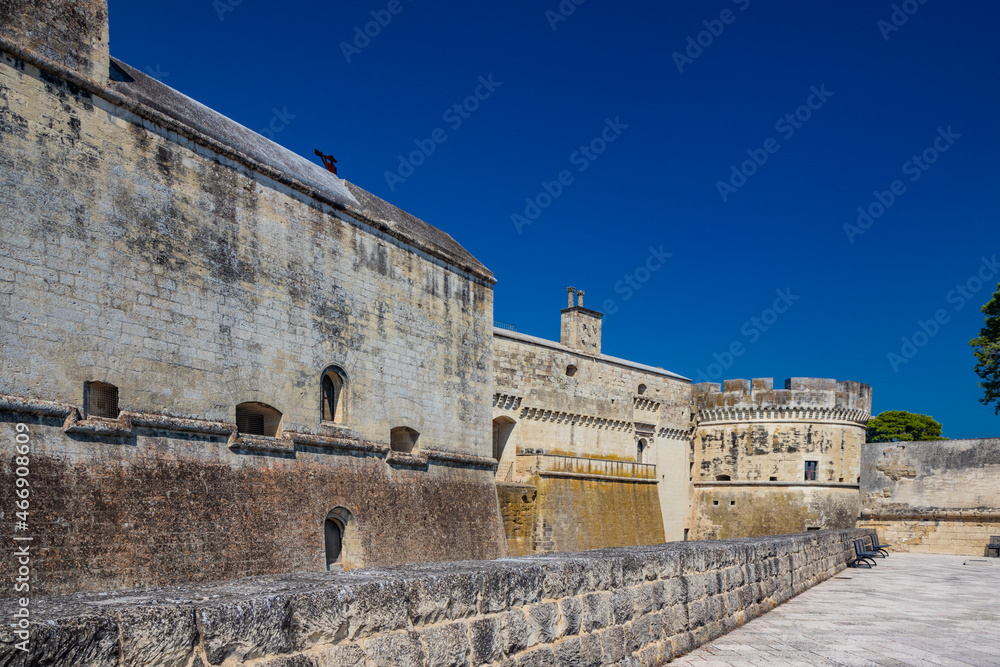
{"x": 987, "y": 350}
{"x": 902, "y": 425}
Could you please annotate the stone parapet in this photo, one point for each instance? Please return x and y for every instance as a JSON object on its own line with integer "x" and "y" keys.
{"x": 643, "y": 605}
{"x": 802, "y": 399}
{"x": 549, "y": 465}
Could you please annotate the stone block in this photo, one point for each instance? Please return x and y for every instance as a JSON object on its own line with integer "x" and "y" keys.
{"x": 622, "y": 606}
{"x": 399, "y": 649}
{"x": 540, "y": 657}
{"x": 348, "y": 655}
{"x": 485, "y": 635}
{"x": 376, "y": 606}
{"x": 245, "y": 630}
{"x": 597, "y": 611}
{"x": 432, "y": 599}
{"x": 320, "y": 617}
{"x": 156, "y": 635}
{"x": 543, "y": 623}
{"x": 83, "y": 640}
{"x": 571, "y": 616}
{"x": 447, "y": 645}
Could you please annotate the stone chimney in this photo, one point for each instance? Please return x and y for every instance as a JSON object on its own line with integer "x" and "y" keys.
{"x": 581, "y": 327}
{"x": 73, "y": 33}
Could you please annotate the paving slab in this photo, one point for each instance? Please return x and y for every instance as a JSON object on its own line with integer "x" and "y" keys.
{"x": 911, "y": 609}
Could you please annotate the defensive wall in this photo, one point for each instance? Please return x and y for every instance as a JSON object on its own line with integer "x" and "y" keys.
{"x": 771, "y": 461}
{"x": 644, "y": 605}
{"x": 939, "y": 496}
{"x": 228, "y": 361}
{"x": 602, "y": 440}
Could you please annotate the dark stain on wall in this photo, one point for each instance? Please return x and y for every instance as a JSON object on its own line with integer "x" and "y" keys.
{"x": 171, "y": 510}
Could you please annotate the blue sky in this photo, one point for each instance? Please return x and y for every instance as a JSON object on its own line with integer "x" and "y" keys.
{"x": 592, "y": 140}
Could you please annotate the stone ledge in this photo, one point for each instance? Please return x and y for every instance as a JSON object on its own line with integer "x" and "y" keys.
{"x": 912, "y": 514}
{"x": 638, "y": 603}
{"x": 759, "y": 483}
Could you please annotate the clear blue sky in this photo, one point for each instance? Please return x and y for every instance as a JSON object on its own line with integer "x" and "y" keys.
{"x": 885, "y": 96}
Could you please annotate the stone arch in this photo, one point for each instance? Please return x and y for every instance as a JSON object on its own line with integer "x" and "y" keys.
{"x": 642, "y": 451}
{"x": 403, "y": 439}
{"x": 333, "y": 395}
{"x": 254, "y": 418}
{"x": 341, "y": 541}
{"x": 502, "y": 428}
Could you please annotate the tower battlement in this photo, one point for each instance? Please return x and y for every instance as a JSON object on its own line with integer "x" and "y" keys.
{"x": 757, "y": 398}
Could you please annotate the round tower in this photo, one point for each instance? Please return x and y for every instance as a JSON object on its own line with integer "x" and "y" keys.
{"x": 769, "y": 461}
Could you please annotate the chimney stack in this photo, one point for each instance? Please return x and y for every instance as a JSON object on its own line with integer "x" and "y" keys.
{"x": 72, "y": 33}
{"x": 581, "y": 327}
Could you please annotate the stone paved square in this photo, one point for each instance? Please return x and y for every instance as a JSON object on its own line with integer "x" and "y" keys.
{"x": 911, "y": 609}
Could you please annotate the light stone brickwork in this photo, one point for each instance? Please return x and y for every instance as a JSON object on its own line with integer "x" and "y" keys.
{"x": 568, "y": 401}
{"x": 152, "y": 244}
{"x": 636, "y": 606}
{"x": 753, "y": 446}
{"x": 932, "y": 497}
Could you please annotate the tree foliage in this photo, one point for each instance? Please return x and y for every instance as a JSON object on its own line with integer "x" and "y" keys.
{"x": 987, "y": 350}
{"x": 902, "y": 425}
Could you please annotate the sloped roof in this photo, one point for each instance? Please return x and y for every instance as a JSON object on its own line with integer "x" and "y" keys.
{"x": 606, "y": 358}
{"x": 360, "y": 203}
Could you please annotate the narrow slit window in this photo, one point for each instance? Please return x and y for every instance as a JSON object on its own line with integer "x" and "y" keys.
{"x": 333, "y": 396}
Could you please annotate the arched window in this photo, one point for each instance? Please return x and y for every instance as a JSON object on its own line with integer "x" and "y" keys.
{"x": 642, "y": 451}
{"x": 340, "y": 540}
{"x": 257, "y": 419}
{"x": 403, "y": 439}
{"x": 100, "y": 399}
{"x": 502, "y": 427}
{"x": 332, "y": 390}
{"x": 642, "y": 389}
{"x": 571, "y": 370}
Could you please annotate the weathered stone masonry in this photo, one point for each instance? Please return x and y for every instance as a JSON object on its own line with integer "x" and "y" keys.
{"x": 149, "y": 243}
{"x": 769, "y": 461}
{"x": 932, "y": 497}
{"x": 647, "y": 604}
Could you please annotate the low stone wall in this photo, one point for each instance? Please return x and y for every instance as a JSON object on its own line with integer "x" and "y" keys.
{"x": 596, "y": 608}
{"x": 932, "y": 497}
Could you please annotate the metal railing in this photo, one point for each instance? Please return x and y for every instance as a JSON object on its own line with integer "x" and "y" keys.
{"x": 505, "y": 472}
{"x": 579, "y": 465}
{"x": 504, "y": 325}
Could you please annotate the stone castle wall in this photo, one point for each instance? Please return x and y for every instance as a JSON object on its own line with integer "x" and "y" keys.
{"x": 195, "y": 275}
{"x": 563, "y": 402}
{"x": 751, "y": 448}
{"x": 932, "y": 497}
{"x": 639, "y": 605}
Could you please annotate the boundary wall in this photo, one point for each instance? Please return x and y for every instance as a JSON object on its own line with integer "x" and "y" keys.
{"x": 647, "y": 604}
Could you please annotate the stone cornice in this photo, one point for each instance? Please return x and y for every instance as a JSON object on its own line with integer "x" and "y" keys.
{"x": 503, "y": 401}
{"x": 791, "y": 414}
{"x": 332, "y": 438}
{"x": 557, "y": 417}
{"x": 917, "y": 514}
{"x": 706, "y": 484}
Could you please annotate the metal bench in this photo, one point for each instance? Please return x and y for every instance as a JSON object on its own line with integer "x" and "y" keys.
{"x": 879, "y": 546}
{"x": 994, "y": 545}
{"x": 862, "y": 555}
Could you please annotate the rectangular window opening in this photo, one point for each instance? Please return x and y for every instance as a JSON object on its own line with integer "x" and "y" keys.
{"x": 811, "y": 470}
